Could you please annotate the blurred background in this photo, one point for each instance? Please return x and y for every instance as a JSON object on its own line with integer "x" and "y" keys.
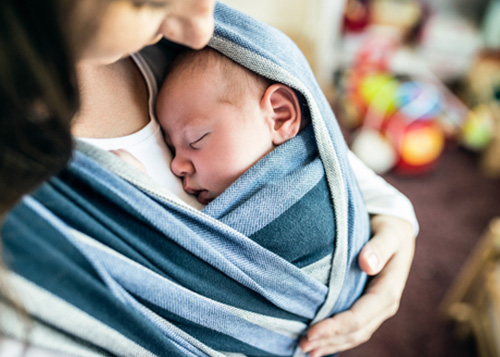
{"x": 415, "y": 86}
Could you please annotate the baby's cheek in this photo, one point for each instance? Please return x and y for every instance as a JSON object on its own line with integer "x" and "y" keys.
{"x": 219, "y": 181}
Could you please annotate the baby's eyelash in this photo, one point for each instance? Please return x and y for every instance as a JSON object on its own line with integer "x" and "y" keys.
{"x": 151, "y": 3}
{"x": 193, "y": 144}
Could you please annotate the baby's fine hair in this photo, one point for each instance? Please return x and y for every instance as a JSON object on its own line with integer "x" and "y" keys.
{"x": 237, "y": 80}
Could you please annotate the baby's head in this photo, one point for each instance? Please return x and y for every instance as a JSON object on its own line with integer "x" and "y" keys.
{"x": 220, "y": 118}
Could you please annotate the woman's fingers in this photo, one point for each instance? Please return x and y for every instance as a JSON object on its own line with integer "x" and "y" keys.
{"x": 129, "y": 159}
{"x": 389, "y": 234}
{"x": 354, "y": 326}
{"x": 339, "y": 340}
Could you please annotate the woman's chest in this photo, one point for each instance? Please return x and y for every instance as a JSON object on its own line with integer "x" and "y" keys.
{"x": 114, "y": 101}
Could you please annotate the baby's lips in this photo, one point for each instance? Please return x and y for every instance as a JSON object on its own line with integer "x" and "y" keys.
{"x": 204, "y": 197}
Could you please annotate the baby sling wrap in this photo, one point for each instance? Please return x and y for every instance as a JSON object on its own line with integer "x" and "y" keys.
{"x": 108, "y": 263}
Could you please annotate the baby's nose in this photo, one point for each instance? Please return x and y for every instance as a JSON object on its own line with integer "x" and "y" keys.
{"x": 181, "y": 166}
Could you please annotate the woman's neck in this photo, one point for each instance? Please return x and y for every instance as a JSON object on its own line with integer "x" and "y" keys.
{"x": 114, "y": 100}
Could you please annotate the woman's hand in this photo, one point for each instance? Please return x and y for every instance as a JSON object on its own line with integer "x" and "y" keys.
{"x": 389, "y": 254}
{"x": 129, "y": 159}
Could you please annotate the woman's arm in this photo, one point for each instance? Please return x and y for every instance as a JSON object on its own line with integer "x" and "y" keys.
{"x": 380, "y": 197}
{"x": 389, "y": 254}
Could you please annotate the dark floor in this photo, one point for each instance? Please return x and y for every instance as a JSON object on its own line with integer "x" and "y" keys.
{"x": 454, "y": 204}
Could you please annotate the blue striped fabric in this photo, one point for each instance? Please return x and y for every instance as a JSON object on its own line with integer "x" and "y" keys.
{"x": 238, "y": 277}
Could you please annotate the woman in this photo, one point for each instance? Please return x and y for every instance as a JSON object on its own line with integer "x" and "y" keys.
{"x": 120, "y": 28}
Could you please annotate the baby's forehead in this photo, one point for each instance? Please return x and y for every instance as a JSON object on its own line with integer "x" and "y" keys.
{"x": 208, "y": 66}
{"x": 197, "y": 62}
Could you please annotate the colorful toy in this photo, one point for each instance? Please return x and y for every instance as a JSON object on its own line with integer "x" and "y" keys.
{"x": 375, "y": 91}
{"x": 376, "y": 51}
{"x": 422, "y": 140}
{"x": 419, "y": 100}
{"x": 378, "y": 91}
{"x": 418, "y": 143}
{"x": 400, "y": 129}
{"x": 375, "y": 150}
{"x": 356, "y": 15}
{"x": 478, "y": 129}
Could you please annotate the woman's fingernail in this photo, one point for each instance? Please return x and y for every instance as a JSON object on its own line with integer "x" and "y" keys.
{"x": 307, "y": 349}
{"x": 372, "y": 261}
{"x": 313, "y": 338}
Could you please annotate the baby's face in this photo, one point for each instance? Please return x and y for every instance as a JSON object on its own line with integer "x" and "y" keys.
{"x": 213, "y": 142}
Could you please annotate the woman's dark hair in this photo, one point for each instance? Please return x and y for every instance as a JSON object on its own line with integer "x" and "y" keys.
{"x": 38, "y": 94}
{"x": 39, "y": 43}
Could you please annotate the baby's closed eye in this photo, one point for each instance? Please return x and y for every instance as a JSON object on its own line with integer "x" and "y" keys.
{"x": 199, "y": 142}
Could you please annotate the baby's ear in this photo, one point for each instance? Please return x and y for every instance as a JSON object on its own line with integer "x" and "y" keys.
{"x": 283, "y": 112}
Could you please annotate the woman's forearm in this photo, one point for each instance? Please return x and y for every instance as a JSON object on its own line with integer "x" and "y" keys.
{"x": 380, "y": 197}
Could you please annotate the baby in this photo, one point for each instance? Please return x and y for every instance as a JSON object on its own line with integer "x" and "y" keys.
{"x": 220, "y": 118}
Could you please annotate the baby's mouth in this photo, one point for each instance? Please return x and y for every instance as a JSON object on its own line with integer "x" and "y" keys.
{"x": 203, "y": 197}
